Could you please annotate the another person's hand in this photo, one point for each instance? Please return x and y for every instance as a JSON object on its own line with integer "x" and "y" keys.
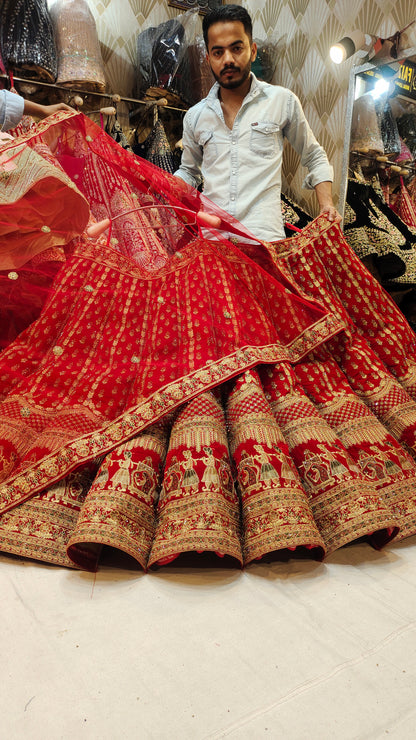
{"x": 43, "y": 111}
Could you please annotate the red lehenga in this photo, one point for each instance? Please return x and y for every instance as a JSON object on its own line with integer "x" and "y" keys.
{"x": 181, "y": 391}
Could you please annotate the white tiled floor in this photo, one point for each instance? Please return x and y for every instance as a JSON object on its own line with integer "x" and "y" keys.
{"x": 296, "y": 651}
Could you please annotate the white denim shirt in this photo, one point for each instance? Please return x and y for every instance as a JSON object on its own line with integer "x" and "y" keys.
{"x": 11, "y": 109}
{"x": 241, "y": 168}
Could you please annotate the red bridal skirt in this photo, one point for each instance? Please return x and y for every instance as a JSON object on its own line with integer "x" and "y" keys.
{"x": 245, "y": 400}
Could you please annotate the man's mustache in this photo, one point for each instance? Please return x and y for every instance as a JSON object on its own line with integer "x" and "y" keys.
{"x": 230, "y": 68}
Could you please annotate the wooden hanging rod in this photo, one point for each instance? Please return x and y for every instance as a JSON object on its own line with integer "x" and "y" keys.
{"x": 384, "y": 162}
{"x": 75, "y": 91}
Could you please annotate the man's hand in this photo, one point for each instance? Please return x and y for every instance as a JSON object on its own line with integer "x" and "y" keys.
{"x": 323, "y": 192}
{"x": 331, "y": 213}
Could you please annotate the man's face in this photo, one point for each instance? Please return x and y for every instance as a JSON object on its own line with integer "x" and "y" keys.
{"x": 230, "y": 53}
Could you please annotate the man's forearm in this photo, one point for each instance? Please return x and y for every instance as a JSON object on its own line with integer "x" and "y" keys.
{"x": 42, "y": 111}
{"x": 323, "y": 192}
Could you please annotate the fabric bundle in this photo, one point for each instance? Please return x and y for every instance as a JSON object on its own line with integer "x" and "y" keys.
{"x": 166, "y": 59}
{"x": 79, "y": 56}
{"x": 388, "y": 127}
{"x": 27, "y": 39}
{"x": 365, "y": 129}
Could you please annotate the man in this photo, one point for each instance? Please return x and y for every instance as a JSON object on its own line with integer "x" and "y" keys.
{"x": 233, "y": 139}
{"x": 13, "y": 107}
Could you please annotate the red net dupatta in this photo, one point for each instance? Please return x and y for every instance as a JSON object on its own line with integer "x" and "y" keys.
{"x": 40, "y": 206}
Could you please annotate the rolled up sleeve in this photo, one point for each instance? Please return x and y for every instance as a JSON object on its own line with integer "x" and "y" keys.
{"x": 312, "y": 154}
{"x": 190, "y": 168}
{"x": 11, "y": 109}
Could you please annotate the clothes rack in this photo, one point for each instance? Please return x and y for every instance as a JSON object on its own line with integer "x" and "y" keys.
{"x": 113, "y": 97}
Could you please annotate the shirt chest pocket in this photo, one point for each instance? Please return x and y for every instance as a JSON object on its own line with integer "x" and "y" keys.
{"x": 264, "y": 138}
{"x": 208, "y": 145}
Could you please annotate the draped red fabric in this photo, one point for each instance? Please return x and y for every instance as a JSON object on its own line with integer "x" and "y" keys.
{"x": 184, "y": 387}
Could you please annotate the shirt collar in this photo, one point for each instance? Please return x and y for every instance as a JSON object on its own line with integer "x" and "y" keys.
{"x": 256, "y": 88}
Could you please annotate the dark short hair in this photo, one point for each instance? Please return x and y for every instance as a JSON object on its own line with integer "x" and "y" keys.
{"x": 224, "y": 14}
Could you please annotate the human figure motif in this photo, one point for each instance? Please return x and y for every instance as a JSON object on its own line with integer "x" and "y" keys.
{"x": 337, "y": 468}
{"x": 391, "y": 467}
{"x": 210, "y": 475}
{"x": 267, "y": 471}
{"x": 406, "y": 463}
{"x": 190, "y": 478}
{"x": 121, "y": 478}
{"x": 286, "y": 471}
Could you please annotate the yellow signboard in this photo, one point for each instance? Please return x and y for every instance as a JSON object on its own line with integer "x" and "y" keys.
{"x": 406, "y": 79}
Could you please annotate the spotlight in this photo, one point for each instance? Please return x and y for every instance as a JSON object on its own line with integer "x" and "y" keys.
{"x": 349, "y": 45}
{"x": 382, "y": 86}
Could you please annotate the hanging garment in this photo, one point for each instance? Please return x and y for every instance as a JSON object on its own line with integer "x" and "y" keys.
{"x": 405, "y": 206}
{"x": 373, "y": 228}
{"x": 80, "y": 64}
{"x": 145, "y": 41}
{"x": 406, "y": 125}
{"x": 167, "y": 53}
{"x": 27, "y": 39}
{"x": 157, "y": 150}
{"x": 388, "y": 127}
{"x": 113, "y": 128}
{"x": 201, "y": 77}
{"x": 405, "y": 155}
{"x": 293, "y": 215}
{"x": 181, "y": 392}
{"x": 365, "y": 127}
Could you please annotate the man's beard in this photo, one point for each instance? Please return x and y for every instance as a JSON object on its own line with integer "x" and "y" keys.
{"x": 236, "y": 81}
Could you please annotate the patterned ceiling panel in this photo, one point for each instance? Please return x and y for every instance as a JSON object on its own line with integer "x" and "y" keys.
{"x": 308, "y": 27}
